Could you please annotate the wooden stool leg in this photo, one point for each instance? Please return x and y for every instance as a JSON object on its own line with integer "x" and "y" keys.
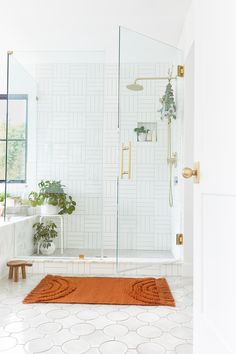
{"x": 16, "y": 273}
{"x": 23, "y": 271}
{"x": 10, "y": 272}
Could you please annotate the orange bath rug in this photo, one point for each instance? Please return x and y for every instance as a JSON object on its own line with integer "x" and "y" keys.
{"x": 105, "y": 290}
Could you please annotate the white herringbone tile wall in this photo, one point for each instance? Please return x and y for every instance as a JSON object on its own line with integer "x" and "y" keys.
{"x": 70, "y": 143}
{"x": 78, "y": 142}
{"x": 145, "y": 216}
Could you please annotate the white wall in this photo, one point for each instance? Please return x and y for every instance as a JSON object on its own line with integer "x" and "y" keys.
{"x": 85, "y": 24}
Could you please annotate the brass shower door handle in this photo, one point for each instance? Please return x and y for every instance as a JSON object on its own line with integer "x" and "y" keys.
{"x": 123, "y": 149}
{"x": 188, "y": 172}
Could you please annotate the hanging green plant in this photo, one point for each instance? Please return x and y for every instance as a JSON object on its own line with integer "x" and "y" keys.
{"x": 168, "y": 109}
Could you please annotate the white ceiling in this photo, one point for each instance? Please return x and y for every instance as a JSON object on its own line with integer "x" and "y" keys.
{"x": 86, "y": 24}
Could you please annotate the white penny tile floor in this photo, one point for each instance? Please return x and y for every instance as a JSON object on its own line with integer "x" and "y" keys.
{"x": 94, "y": 329}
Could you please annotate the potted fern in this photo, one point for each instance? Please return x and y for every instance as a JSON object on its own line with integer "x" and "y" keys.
{"x": 52, "y": 199}
{"x": 141, "y": 133}
{"x": 43, "y": 237}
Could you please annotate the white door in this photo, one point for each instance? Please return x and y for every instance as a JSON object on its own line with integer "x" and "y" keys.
{"x": 215, "y": 196}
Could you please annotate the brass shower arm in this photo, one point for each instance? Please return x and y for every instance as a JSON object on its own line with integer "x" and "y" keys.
{"x": 156, "y": 78}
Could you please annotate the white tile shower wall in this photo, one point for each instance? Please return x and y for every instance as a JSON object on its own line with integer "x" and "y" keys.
{"x": 78, "y": 142}
{"x": 70, "y": 143}
{"x": 145, "y": 218}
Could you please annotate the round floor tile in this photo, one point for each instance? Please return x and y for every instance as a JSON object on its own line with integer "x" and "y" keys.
{"x": 12, "y": 301}
{"x": 149, "y": 332}
{"x": 75, "y": 346}
{"x": 150, "y": 348}
{"x": 179, "y": 317}
{"x": 27, "y": 314}
{"x": 82, "y": 329}
{"x": 115, "y": 330}
{"x": 87, "y": 315}
{"x": 184, "y": 349}
{"x": 148, "y": 317}
{"x": 38, "y": 345}
{"x": 117, "y": 316}
{"x": 57, "y": 314}
{"x": 3, "y": 333}
{"x": 4, "y": 312}
{"x": 114, "y": 347}
{"x": 93, "y": 351}
{"x": 7, "y": 343}
{"x": 16, "y": 327}
{"x": 182, "y": 332}
{"x": 49, "y": 328}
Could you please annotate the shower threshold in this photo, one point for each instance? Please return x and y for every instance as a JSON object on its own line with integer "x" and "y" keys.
{"x": 109, "y": 255}
{"x": 129, "y": 262}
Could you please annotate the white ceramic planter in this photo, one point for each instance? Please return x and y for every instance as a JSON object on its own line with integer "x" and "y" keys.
{"x": 46, "y": 249}
{"x": 47, "y": 209}
{"x": 142, "y": 137}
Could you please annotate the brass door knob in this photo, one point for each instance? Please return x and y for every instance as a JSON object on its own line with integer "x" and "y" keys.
{"x": 188, "y": 172}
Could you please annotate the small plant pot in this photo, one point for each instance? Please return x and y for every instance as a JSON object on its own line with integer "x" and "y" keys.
{"x": 47, "y": 248}
{"x": 47, "y": 209}
{"x": 142, "y": 137}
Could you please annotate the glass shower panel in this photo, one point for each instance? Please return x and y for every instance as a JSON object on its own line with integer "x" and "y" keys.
{"x": 68, "y": 139}
{"x": 21, "y": 138}
{"x": 149, "y": 175}
{"x": 3, "y": 119}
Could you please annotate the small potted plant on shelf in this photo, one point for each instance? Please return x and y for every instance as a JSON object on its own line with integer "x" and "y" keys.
{"x": 52, "y": 199}
{"x": 43, "y": 237}
{"x": 141, "y": 133}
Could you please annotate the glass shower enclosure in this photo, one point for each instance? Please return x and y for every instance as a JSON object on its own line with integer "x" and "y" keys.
{"x": 111, "y": 133}
{"x": 150, "y": 134}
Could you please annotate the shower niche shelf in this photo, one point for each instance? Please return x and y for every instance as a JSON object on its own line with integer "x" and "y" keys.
{"x": 150, "y": 132}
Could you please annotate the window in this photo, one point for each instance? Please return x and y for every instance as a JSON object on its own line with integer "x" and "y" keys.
{"x": 16, "y": 140}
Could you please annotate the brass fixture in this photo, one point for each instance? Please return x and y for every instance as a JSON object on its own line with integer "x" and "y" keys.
{"x": 9, "y": 52}
{"x": 188, "y": 172}
{"x": 179, "y": 239}
{"x": 123, "y": 149}
{"x": 81, "y": 257}
{"x": 137, "y": 87}
{"x": 180, "y": 70}
{"x": 173, "y": 159}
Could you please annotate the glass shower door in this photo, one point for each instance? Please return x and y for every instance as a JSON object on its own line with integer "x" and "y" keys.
{"x": 150, "y": 151}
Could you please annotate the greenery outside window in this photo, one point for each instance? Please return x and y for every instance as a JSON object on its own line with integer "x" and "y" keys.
{"x": 16, "y": 141}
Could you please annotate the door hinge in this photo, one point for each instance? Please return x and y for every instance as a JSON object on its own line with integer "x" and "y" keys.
{"x": 180, "y": 70}
{"x": 179, "y": 239}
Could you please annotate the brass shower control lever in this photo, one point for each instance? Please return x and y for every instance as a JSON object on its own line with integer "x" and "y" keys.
{"x": 188, "y": 172}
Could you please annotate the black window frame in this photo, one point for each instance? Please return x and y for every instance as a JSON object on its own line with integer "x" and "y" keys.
{"x": 23, "y": 97}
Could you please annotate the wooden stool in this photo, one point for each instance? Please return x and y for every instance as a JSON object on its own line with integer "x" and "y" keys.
{"x": 14, "y": 269}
